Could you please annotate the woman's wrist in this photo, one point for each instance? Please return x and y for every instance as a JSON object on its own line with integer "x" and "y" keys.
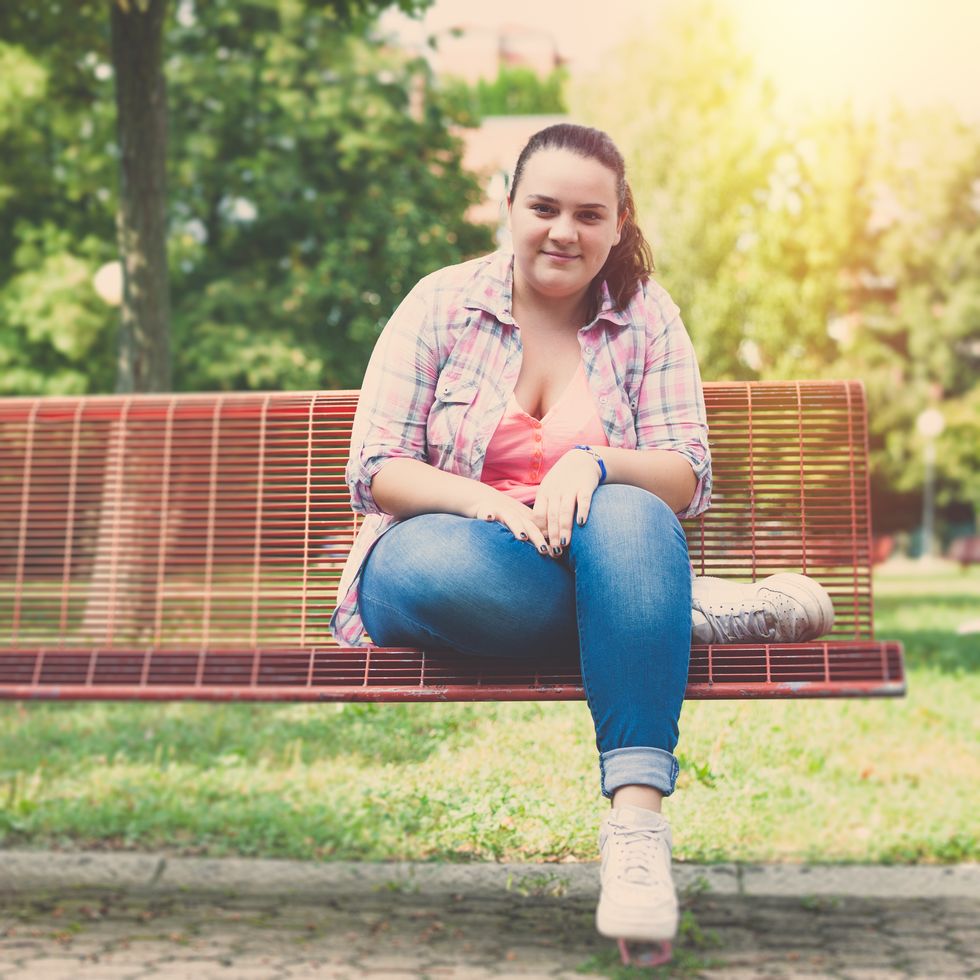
{"x": 599, "y": 462}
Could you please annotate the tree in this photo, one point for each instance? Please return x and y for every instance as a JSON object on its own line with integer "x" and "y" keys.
{"x": 317, "y": 180}
{"x": 138, "y": 30}
{"x": 311, "y": 182}
{"x": 820, "y": 245}
{"x": 141, "y": 114}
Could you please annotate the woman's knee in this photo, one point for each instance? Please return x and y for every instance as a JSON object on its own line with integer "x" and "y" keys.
{"x": 626, "y": 513}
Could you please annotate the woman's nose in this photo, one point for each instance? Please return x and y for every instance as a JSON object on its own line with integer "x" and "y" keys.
{"x": 563, "y": 229}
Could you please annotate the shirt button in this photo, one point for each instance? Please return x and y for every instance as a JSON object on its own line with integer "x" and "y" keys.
{"x": 537, "y": 436}
{"x": 588, "y": 350}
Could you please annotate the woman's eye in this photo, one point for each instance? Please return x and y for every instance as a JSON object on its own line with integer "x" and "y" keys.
{"x": 589, "y": 216}
{"x": 542, "y": 208}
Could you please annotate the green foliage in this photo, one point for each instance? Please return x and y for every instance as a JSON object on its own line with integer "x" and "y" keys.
{"x": 312, "y": 180}
{"x": 821, "y": 245}
{"x": 309, "y": 194}
{"x": 515, "y": 91}
{"x": 57, "y": 326}
{"x": 55, "y": 220}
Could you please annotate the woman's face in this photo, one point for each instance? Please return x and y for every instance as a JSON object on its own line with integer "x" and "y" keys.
{"x": 563, "y": 222}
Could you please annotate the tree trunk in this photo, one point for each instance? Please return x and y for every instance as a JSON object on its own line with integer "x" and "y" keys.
{"x": 141, "y": 103}
{"x": 120, "y": 591}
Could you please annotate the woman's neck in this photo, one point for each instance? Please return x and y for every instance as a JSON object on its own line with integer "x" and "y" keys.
{"x": 564, "y": 313}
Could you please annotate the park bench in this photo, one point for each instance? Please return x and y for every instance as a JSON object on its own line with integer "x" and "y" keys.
{"x": 189, "y": 546}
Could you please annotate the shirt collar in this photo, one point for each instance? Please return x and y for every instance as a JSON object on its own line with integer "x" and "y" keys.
{"x": 492, "y": 287}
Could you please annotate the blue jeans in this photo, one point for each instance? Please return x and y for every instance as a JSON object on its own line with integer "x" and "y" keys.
{"x": 619, "y": 600}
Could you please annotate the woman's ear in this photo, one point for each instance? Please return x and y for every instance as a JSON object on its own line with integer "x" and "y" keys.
{"x": 619, "y": 226}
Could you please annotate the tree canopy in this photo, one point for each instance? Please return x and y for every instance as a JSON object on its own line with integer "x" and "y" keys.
{"x": 313, "y": 177}
{"x": 812, "y": 246}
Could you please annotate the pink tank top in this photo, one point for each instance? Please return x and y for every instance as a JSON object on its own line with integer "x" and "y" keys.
{"x": 523, "y": 448}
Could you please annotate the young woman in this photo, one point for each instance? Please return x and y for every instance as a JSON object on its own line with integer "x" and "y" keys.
{"x": 531, "y": 426}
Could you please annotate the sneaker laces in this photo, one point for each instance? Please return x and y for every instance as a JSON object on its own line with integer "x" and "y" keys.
{"x": 737, "y": 624}
{"x": 640, "y": 854}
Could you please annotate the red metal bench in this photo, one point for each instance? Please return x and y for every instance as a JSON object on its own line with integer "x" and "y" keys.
{"x": 189, "y": 547}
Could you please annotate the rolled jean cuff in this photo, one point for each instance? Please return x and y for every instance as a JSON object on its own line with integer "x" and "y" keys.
{"x": 638, "y": 765}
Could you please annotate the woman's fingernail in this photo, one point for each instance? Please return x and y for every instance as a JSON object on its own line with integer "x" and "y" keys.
{"x": 581, "y": 521}
{"x": 488, "y": 518}
{"x": 564, "y": 541}
{"x": 524, "y": 535}
{"x": 543, "y": 549}
{"x": 556, "y": 551}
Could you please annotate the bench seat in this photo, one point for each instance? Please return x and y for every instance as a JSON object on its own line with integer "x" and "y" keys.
{"x": 189, "y": 546}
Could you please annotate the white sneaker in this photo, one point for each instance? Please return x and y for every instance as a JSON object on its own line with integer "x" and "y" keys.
{"x": 637, "y": 898}
{"x": 785, "y": 608}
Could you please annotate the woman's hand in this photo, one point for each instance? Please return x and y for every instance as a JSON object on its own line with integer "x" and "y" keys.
{"x": 566, "y": 490}
{"x": 517, "y": 517}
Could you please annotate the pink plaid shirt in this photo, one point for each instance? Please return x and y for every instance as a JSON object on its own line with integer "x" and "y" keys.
{"x": 447, "y": 363}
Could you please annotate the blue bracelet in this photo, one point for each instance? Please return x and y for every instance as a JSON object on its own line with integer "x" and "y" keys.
{"x": 598, "y": 459}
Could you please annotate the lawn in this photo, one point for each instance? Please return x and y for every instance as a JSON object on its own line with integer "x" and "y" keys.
{"x": 891, "y": 780}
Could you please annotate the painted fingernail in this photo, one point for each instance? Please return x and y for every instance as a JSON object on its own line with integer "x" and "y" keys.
{"x": 524, "y": 535}
{"x": 564, "y": 541}
{"x": 581, "y": 521}
{"x": 488, "y": 518}
{"x": 556, "y": 551}
{"x": 543, "y": 549}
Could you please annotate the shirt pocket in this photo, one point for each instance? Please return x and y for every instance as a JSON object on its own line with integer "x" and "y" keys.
{"x": 453, "y": 397}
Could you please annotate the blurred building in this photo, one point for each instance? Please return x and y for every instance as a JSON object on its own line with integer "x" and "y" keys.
{"x": 491, "y": 152}
{"x": 474, "y": 52}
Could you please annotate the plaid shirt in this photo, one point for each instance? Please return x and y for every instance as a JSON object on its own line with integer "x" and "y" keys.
{"x": 447, "y": 362}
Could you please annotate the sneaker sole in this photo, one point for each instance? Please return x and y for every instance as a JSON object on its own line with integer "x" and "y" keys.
{"x": 818, "y": 595}
{"x": 627, "y": 922}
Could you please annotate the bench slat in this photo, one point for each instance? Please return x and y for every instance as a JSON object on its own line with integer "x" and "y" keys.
{"x": 831, "y": 668}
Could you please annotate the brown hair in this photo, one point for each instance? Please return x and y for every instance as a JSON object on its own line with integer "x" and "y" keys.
{"x": 630, "y": 261}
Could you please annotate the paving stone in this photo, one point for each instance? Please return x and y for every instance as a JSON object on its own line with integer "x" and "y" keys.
{"x": 870, "y": 973}
{"x": 324, "y": 973}
{"x": 484, "y": 934}
{"x": 939, "y": 963}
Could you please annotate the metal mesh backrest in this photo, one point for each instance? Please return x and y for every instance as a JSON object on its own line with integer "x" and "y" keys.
{"x": 223, "y": 520}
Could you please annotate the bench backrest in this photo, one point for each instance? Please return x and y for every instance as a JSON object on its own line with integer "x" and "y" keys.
{"x": 213, "y": 520}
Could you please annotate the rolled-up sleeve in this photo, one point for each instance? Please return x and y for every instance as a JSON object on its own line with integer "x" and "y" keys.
{"x": 396, "y": 395}
{"x": 670, "y": 411}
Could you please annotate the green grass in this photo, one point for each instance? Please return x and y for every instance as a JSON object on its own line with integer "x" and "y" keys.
{"x": 890, "y": 780}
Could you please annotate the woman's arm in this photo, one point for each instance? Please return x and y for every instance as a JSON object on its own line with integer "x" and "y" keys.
{"x": 407, "y": 487}
{"x": 663, "y": 472}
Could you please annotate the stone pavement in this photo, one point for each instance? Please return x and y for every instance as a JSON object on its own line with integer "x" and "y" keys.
{"x": 95, "y": 916}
